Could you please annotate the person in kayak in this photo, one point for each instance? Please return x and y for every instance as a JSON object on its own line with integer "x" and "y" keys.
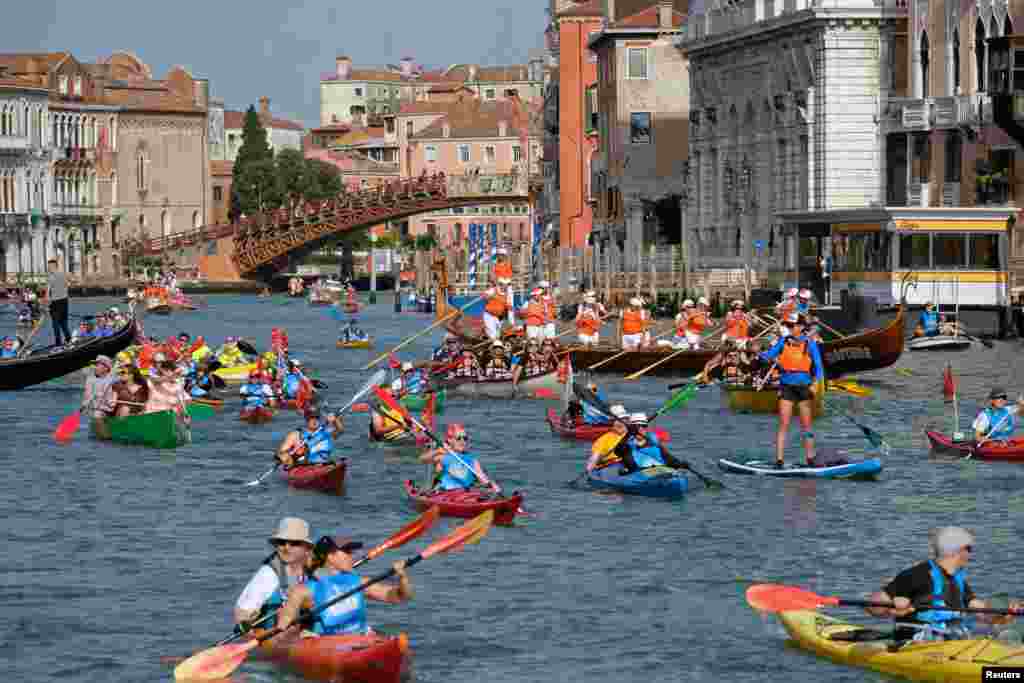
{"x": 998, "y": 421}
{"x": 292, "y": 379}
{"x": 592, "y": 415}
{"x": 278, "y": 576}
{"x": 10, "y": 348}
{"x": 455, "y": 467}
{"x": 97, "y": 398}
{"x": 641, "y": 449}
{"x": 312, "y": 444}
{"x": 230, "y": 355}
{"x": 412, "y": 381}
{"x": 919, "y": 594}
{"x": 335, "y": 577}
{"x": 386, "y": 424}
{"x": 801, "y": 370}
{"x": 928, "y": 323}
{"x": 352, "y": 333}
{"x": 606, "y": 443}
{"x": 256, "y": 393}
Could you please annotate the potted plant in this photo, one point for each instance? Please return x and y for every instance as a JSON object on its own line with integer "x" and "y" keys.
{"x": 993, "y": 183}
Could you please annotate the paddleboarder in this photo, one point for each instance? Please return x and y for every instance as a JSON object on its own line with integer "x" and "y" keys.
{"x": 998, "y": 421}
{"x": 279, "y": 574}
{"x": 801, "y": 370}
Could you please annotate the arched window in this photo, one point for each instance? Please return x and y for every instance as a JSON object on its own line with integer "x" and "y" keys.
{"x": 924, "y": 63}
{"x": 980, "y": 54}
{"x": 196, "y": 223}
{"x": 956, "y": 61}
{"x": 165, "y": 223}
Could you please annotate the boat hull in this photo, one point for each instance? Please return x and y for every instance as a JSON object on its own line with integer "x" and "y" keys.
{"x": 1011, "y": 450}
{"x": 652, "y": 482}
{"x": 942, "y": 342}
{"x": 749, "y": 400}
{"x": 467, "y": 504}
{"x": 504, "y": 388}
{"x": 359, "y": 344}
{"x": 862, "y": 469}
{"x": 256, "y": 416}
{"x": 236, "y": 374}
{"x": 346, "y": 658}
{"x": 163, "y": 429}
{"x": 328, "y": 478}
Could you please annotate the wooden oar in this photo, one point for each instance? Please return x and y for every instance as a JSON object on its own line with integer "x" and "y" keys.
{"x": 624, "y": 352}
{"x": 667, "y": 358}
{"x": 219, "y": 662}
{"x": 774, "y": 597}
{"x": 420, "y": 334}
{"x": 412, "y": 530}
{"x": 38, "y": 326}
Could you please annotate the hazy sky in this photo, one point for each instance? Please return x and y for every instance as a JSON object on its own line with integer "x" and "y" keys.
{"x": 278, "y": 48}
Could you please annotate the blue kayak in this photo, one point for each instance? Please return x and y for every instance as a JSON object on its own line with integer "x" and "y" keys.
{"x": 655, "y": 482}
{"x": 834, "y": 470}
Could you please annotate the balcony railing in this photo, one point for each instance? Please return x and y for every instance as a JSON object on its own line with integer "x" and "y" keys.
{"x": 14, "y": 143}
{"x": 78, "y": 210}
{"x": 951, "y": 194}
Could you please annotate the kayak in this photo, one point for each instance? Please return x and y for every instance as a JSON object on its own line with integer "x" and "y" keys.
{"x": 467, "y": 503}
{"x": 354, "y": 344}
{"x": 1011, "y": 449}
{"x": 256, "y": 416}
{"x": 849, "y": 386}
{"x": 163, "y": 429}
{"x": 948, "y": 661}
{"x": 215, "y": 403}
{"x": 376, "y": 658}
{"x": 328, "y": 477}
{"x": 585, "y": 432}
{"x": 745, "y": 398}
{"x": 654, "y": 482}
{"x": 503, "y": 388}
{"x": 840, "y": 469}
{"x": 418, "y": 402}
{"x": 939, "y": 342}
{"x": 235, "y": 374}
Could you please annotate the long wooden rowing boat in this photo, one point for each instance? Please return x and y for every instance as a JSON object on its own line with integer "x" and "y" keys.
{"x": 502, "y": 388}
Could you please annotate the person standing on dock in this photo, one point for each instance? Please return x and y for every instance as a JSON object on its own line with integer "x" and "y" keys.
{"x": 57, "y": 296}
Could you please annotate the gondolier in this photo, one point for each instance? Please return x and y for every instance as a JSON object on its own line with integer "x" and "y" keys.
{"x": 57, "y": 296}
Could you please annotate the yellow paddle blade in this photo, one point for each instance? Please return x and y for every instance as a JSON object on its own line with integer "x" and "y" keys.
{"x": 849, "y": 386}
{"x": 469, "y": 533}
{"x": 605, "y": 444}
{"x": 215, "y": 663}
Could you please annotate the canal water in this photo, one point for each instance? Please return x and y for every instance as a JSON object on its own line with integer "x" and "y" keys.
{"x": 118, "y": 558}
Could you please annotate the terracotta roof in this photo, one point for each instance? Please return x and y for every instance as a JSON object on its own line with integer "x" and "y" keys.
{"x": 21, "y": 84}
{"x": 593, "y": 8}
{"x": 447, "y": 87}
{"x": 333, "y": 128}
{"x": 421, "y": 108}
{"x": 151, "y": 100}
{"x": 476, "y": 119}
{"x": 26, "y": 63}
{"x": 236, "y": 120}
{"x": 648, "y": 18}
{"x": 222, "y": 168}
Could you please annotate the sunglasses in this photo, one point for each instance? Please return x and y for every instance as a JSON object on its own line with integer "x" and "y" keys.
{"x": 1000, "y": 398}
{"x": 286, "y": 544}
{"x": 460, "y": 437}
{"x": 969, "y": 549}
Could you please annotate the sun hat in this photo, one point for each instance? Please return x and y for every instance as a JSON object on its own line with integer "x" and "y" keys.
{"x": 638, "y": 418}
{"x": 618, "y": 410}
{"x": 635, "y": 302}
{"x": 805, "y": 294}
{"x": 737, "y": 303}
{"x": 688, "y": 303}
{"x": 949, "y": 540}
{"x": 504, "y": 281}
{"x": 702, "y": 300}
{"x": 497, "y": 345}
{"x": 292, "y": 529}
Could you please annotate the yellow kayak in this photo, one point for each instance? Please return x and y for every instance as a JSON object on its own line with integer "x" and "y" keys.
{"x": 744, "y": 398}
{"x": 357, "y": 344}
{"x": 236, "y": 374}
{"x": 849, "y": 386}
{"x": 945, "y": 661}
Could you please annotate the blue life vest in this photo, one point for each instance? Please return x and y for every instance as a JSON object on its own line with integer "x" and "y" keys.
{"x": 930, "y": 322}
{"x": 318, "y": 445}
{"x": 648, "y": 456}
{"x": 940, "y": 617}
{"x": 803, "y": 307}
{"x": 414, "y": 382}
{"x": 197, "y": 391}
{"x": 346, "y": 616}
{"x": 1001, "y": 423}
{"x": 253, "y": 396}
{"x": 8, "y": 353}
{"x": 291, "y": 384}
{"x": 455, "y": 475}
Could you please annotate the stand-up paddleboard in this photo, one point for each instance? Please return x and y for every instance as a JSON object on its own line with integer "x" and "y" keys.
{"x": 828, "y": 470}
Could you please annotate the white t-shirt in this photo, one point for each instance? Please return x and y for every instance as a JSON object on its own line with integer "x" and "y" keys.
{"x": 981, "y": 422}
{"x": 260, "y": 587}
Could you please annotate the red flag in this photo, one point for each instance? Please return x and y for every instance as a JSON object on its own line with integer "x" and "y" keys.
{"x": 393, "y": 361}
{"x": 948, "y": 384}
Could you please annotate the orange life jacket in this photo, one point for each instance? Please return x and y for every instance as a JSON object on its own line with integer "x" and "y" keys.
{"x": 534, "y": 314}
{"x": 588, "y": 323}
{"x": 697, "y": 322}
{"x": 795, "y": 357}
{"x": 787, "y": 308}
{"x": 737, "y": 326}
{"x": 497, "y": 305}
{"x": 549, "y": 308}
{"x": 633, "y": 322}
{"x": 681, "y": 326}
{"x": 503, "y": 269}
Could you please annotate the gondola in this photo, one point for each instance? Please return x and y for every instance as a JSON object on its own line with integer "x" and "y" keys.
{"x": 48, "y": 363}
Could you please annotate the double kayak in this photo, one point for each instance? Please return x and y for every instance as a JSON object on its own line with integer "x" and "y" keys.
{"x": 948, "y": 661}
{"x": 467, "y": 503}
{"x": 328, "y": 477}
{"x": 839, "y": 469}
{"x": 376, "y": 658}
{"x": 256, "y": 416}
{"x": 162, "y": 429}
{"x": 653, "y": 482}
{"x": 1011, "y": 449}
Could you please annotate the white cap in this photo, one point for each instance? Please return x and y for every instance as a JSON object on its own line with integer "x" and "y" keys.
{"x": 805, "y": 294}
{"x": 949, "y": 540}
{"x": 114, "y": 309}
{"x": 497, "y": 345}
{"x": 638, "y": 418}
{"x": 703, "y": 301}
{"x": 591, "y": 293}
{"x": 635, "y": 302}
{"x": 688, "y": 303}
{"x": 294, "y": 361}
{"x": 504, "y": 281}
{"x": 790, "y": 293}
{"x": 406, "y": 366}
{"x": 679, "y": 316}
{"x": 502, "y": 250}
{"x": 618, "y": 410}
{"x": 737, "y": 302}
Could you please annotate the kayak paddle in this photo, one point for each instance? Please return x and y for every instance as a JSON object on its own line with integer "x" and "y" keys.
{"x": 219, "y": 662}
{"x": 361, "y": 408}
{"x": 873, "y": 437}
{"x": 407, "y": 533}
{"x": 246, "y": 347}
{"x": 774, "y": 597}
{"x": 68, "y": 427}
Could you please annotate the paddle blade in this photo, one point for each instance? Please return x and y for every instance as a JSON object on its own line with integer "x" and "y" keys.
{"x": 948, "y": 384}
{"x": 663, "y": 436}
{"x": 68, "y": 426}
{"x": 469, "y": 533}
{"x": 773, "y": 597}
{"x": 545, "y": 394}
{"x": 680, "y": 397}
{"x": 246, "y": 347}
{"x": 360, "y": 407}
{"x": 389, "y": 400}
{"x": 410, "y": 531}
{"x": 215, "y": 663}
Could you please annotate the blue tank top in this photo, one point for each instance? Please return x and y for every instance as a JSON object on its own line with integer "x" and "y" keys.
{"x": 291, "y": 384}
{"x": 802, "y": 307}
{"x": 454, "y": 474}
{"x": 345, "y": 616}
{"x": 1000, "y": 423}
{"x": 8, "y": 353}
{"x": 941, "y": 617}
{"x": 930, "y": 321}
{"x": 318, "y": 445}
{"x": 648, "y": 456}
{"x": 414, "y": 382}
{"x": 253, "y": 396}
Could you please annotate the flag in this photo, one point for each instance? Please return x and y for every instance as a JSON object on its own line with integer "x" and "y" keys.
{"x": 948, "y": 384}
{"x": 472, "y": 253}
{"x": 393, "y": 361}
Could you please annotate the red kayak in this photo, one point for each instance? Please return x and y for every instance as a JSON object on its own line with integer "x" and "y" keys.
{"x": 374, "y": 658}
{"x": 256, "y": 416}
{"x": 585, "y": 432}
{"x": 1012, "y": 449}
{"x": 467, "y": 503}
{"x": 329, "y": 478}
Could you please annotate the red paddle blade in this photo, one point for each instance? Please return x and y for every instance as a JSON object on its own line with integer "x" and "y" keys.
{"x": 662, "y": 435}
{"x": 360, "y": 408}
{"x": 408, "y": 532}
{"x": 545, "y": 393}
{"x": 215, "y": 663}
{"x": 68, "y": 426}
{"x": 389, "y": 400}
{"x": 948, "y": 384}
{"x": 773, "y": 597}
{"x": 469, "y": 533}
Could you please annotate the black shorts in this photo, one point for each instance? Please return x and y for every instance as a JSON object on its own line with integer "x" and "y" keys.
{"x": 796, "y": 393}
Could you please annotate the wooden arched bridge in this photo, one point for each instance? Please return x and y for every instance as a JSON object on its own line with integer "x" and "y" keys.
{"x": 262, "y": 242}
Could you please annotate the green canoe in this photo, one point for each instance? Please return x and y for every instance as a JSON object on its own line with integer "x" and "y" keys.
{"x": 163, "y": 429}
{"x": 418, "y": 402}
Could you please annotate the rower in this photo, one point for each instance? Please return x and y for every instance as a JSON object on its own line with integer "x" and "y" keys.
{"x": 496, "y": 308}
{"x": 928, "y": 323}
{"x": 278, "y": 576}
{"x": 498, "y": 367}
{"x": 592, "y": 415}
{"x": 200, "y": 350}
{"x": 449, "y": 351}
{"x": 256, "y": 393}
{"x": 533, "y": 314}
{"x": 456, "y": 468}
{"x": 588, "y": 320}
{"x": 599, "y": 452}
{"x": 313, "y": 444}
{"x": 10, "y": 348}
{"x": 803, "y": 302}
{"x": 799, "y": 361}
{"x": 634, "y": 325}
{"x": 468, "y": 367}
{"x": 785, "y": 307}
{"x": 200, "y": 384}
{"x": 334, "y": 565}
{"x": 998, "y": 421}
{"x": 386, "y": 422}
{"x": 936, "y": 583}
{"x": 548, "y": 357}
{"x": 696, "y": 323}
{"x": 292, "y": 379}
{"x": 503, "y": 265}
{"x": 641, "y": 450}
{"x": 678, "y": 340}
{"x": 550, "y": 309}
{"x": 353, "y": 333}
{"x": 98, "y": 399}
{"x": 737, "y": 325}
{"x": 411, "y": 381}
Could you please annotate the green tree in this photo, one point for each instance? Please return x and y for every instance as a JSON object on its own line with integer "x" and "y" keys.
{"x": 259, "y": 186}
{"x": 323, "y": 180}
{"x": 245, "y": 192}
{"x": 293, "y": 173}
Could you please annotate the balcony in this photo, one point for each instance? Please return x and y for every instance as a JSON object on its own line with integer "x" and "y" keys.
{"x": 951, "y": 194}
{"x": 65, "y": 212}
{"x": 905, "y": 114}
{"x": 918, "y": 194}
{"x": 74, "y": 154}
{"x": 14, "y": 143}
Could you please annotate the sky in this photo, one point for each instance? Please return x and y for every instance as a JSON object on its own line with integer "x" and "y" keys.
{"x": 278, "y": 48}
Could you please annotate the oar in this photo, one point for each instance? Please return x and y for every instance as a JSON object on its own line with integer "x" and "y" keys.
{"x": 407, "y": 533}
{"x": 246, "y": 347}
{"x": 774, "y": 597}
{"x": 39, "y": 324}
{"x": 219, "y": 662}
{"x": 873, "y": 437}
{"x": 420, "y": 334}
{"x": 667, "y": 358}
{"x": 625, "y": 351}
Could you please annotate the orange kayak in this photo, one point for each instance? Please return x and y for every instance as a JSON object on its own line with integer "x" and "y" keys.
{"x": 374, "y": 658}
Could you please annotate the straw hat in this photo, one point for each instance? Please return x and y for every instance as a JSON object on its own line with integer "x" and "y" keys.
{"x": 737, "y": 303}
{"x": 702, "y": 301}
{"x": 638, "y": 418}
{"x": 805, "y": 294}
{"x": 635, "y": 302}
{"x": 292, "y": 529}
{"x": 406, "y": 366}
{"x": 619, "y": 410}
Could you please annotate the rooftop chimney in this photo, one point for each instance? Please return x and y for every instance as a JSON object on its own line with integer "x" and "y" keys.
{"x": 405, "y": 65}
{"x": 265, "y": 105}
{"x": 665, "y": 14}
{"x": 344, "y": 67}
